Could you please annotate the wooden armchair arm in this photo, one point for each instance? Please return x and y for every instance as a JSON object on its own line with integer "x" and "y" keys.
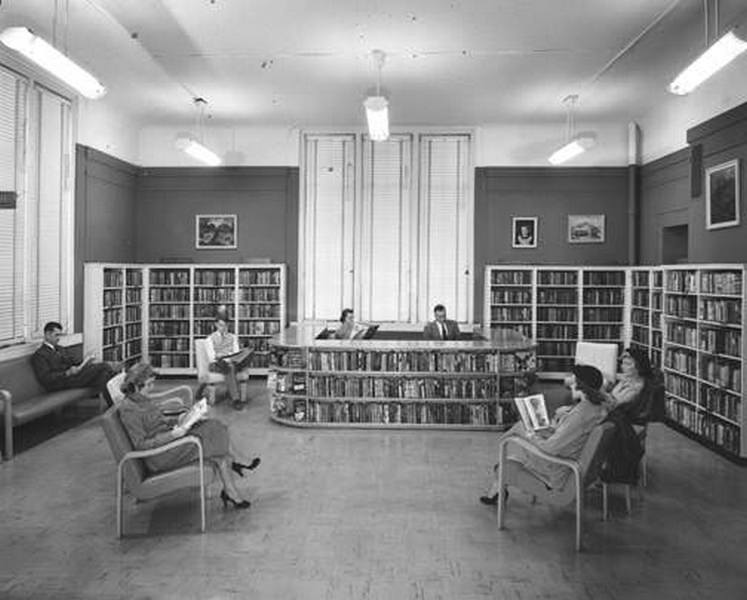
{"x": 530, "y": 447}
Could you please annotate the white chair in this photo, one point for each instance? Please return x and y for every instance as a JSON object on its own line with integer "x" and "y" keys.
{"x": 210, "y": 378}
{"x": 599, "y": 355}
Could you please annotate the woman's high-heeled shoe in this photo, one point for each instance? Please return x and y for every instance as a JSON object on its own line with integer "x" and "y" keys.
{"x": 236, "y": 504}
{"x": 239, "y": 468}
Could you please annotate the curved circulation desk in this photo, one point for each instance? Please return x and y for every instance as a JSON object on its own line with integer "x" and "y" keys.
{"x": 398, "y": 383}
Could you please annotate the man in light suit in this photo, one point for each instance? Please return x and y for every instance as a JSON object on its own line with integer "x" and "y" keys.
{"x": 441, "y": 328}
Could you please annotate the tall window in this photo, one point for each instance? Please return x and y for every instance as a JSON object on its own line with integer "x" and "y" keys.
{"x": 36, "y": 227}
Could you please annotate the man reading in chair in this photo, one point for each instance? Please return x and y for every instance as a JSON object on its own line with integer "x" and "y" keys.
{"x": 226, "y": 358}
{"x": 56, "y": 370}
{"x": 566, "y": 436}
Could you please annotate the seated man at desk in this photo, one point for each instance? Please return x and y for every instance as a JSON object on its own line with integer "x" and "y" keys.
{"x": 441, "y": 328}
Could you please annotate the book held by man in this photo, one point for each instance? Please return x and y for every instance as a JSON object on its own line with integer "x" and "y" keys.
{"x": 533, "y": 412}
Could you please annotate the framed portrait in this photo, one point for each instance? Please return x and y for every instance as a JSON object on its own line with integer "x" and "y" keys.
{"x": 215, "y": 232}
{"x": 585, "y": 229}
{"x": 524, "y": 232}
{"x": 722, "y": 195}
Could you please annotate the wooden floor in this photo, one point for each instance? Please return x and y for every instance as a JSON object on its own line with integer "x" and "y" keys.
{"x": 365, "y": 515}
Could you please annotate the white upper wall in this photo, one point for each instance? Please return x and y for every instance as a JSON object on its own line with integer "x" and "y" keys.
{"x": 108, "y": 129}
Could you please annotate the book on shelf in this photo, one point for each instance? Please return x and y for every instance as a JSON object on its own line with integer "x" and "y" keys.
{"x": 194, "y": 414}
{"x": 533, "y": 412}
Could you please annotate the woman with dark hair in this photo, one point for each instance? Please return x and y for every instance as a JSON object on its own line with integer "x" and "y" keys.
{"x": 148, "y": 428}
{"x": 635, "y": 371}
{"x": 347, "y": 328}
{"x": 565, "y": 437}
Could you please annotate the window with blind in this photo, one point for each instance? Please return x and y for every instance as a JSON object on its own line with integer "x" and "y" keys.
{"x": 36, "y": 234}
{"x": 386, "y": 226}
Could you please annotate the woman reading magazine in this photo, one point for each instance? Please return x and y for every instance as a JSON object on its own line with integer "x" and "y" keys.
{"x": 566, "y": 435}
{"x": 148, "y": 428}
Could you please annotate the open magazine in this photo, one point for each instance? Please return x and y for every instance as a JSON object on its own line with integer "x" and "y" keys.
{"x": 533, "y": 412}
{"x": 196, "y": 413}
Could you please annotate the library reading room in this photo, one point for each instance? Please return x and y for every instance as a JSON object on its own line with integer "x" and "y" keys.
{"x": 373, "y": 300}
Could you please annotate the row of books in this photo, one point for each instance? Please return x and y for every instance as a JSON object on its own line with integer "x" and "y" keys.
{"x": 640, "y": 335}
{"x": 656, "y": 300}
{"x": 287, "y": 383}
{"x": 169, "y": 295}
{"x": 510, "y": 277}
{"x": 722, "y": 372}
{"x": 684, "y": 282}
{"x": 721, "y": 341}
{"x": 681, "y": 360}
{"x": 724, "y": 311}
{"x": 567, "y": 315}
{"x": 641, "y": 298}
{"x": 402, "y": 387}
{"x": 112, "y": 354}
{"x": 259, "y": 277}
{"x": 258, "y": 327}
{"x": 259, "y": 294}
{"x": 210, "y": 310}
{"x": 545, "y": 330}
{"x": 133, "y": 330}
{"x": 556, "y": 296}
{"x": 721, "y": 282}
{"x": 706, "y": 425}
{"x": 452, "y": 413}
{"x": 524, "y": 329}
{"x": 169, "y": 361}
{"x": 113, "y": 278}
{"x": 112, "y": 298}
{"x": 256, "y": 344}
{"x": 603, "y": 314}
{"x": 549, "y": 348}
{"x": 604, "y": 278}
{"x": 602, "y": 332}
{"x": 639, "y": 316}
{"x": 555, "y": 364}
{"x": 681, "y": 333}
{"x": 289, "y": 358}
{"x": 133, "y": 295}
{"x": 112, "y": 316}
{"x": 169, "y": 311}
{"x": 133, "y": 313}
{"x": 168, "y": 328}
{"x": 557, "y": 278}
{"x": 684, "y": 387}
{"x": 111, "y": 336}
{"x": 505, "y": 313}
{"x": 254, "y": 311}
{"x": 681, "y": 306}
{"x": 135, "y": 347}
{"x": 168, "y": 344}
{"x": 169, "y": 277}
{"x": 134, "y": 277}
{"x": 720, "y": 401}
{"x": 223, "y": 277}
{"x": 215, "y": 295}
{"x": 603, "y": 296}
{"x": 511, "y": 296}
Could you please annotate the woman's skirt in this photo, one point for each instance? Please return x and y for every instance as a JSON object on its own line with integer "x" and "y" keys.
{"x": 214, "y": 437}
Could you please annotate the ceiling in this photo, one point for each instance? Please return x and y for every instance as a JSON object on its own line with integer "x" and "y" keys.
{"x": 299, "y": 63}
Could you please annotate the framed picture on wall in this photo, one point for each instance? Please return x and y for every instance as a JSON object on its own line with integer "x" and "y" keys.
{"x": 215, "y": 232}
{"x": 722, "y": 195}
{"x": 585, "y": 229}
{"x": 524, "y": 232}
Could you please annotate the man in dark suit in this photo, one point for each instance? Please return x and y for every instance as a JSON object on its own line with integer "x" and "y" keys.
{"x": 56, "y": 370}
{"x": 441, "y": 328}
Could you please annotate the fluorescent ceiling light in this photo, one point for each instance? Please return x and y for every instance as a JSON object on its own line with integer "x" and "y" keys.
{"x": 377, "y": 115}
{"x": 716, "y": 57}
{"x": 49, "y": 58}
{"x": 196, "y": 150}
{"x": 572, "y": 149}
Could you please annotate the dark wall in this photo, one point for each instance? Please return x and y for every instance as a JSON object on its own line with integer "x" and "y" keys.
{"x": 105, "y": 199}
{"x": 550, "y": 194}
{"x": 673, "y": 192}
{"x": 265, "y": 200}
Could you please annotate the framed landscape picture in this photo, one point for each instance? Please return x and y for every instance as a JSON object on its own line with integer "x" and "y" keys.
{"x": 585, "y": 229}
{"x": 215, "y": 232}
{"x": 722, "y": 195}
{"x": 524, "y": 232}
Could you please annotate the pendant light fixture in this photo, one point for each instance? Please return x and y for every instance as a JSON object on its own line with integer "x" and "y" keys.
{"x": 575, "y": 144}
{"x": 46, "y": 56}
{"x": 377, "y": 107}
{"x": 192, "y": 145}
{"x": 716, "y": 56}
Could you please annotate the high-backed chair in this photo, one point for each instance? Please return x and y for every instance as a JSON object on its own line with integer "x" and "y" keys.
{"x": 172, "y": 400}
{"x": 210, "y": 378}
{"x": 599, "y": 355}
{"x": 133, "y": 476}
{"x": 583, "y": 472}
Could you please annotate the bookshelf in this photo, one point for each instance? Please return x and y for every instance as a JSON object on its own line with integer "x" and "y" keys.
{"x": 397, "y": 384}
{"x": 703, "y": 353}
{"x": 646, "y": 312}
{"x": 155, "y": 312}
{"x": 113, "y": 323}
{"x": 558, "y": 306}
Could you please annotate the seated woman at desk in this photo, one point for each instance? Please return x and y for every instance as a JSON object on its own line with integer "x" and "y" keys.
{"x": 149, "y": 428}
{"x": 348, "y": 328}
{"x": 566, "y": 436}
